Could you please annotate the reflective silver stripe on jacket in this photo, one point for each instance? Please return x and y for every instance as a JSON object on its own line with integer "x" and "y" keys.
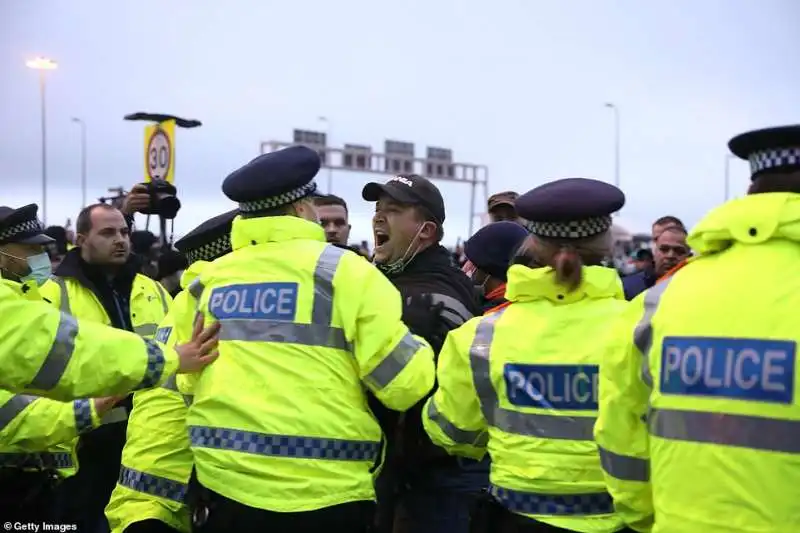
{"x": 64, "y": 295}
{"x": 744, "y": 431}
{"x": 43, "y": 460}
{"x": 145, "y": 330}
{"x": 643, "y": 332}
{"x": 318, "y": 333}
{"x": 82, "y": 410}
{"x": 624, "y": 467}
{"x": 459, "y": 436}
{"x": 291, "y": 446}
{"x": 153, "y": 485}
{"x": 453, "y": 311}
{"x": 196, "y": 288}
{"x": 114, "y": 416}
{"x": 172, "y": 384}
{"x": 13, "y": 407}
{"x": 163, "y": 297}
{"x": 519, "y": 423}
{"x": 393, "y": 363}
{"x": 553, "y": 504}
{"x": 57, "y": 359}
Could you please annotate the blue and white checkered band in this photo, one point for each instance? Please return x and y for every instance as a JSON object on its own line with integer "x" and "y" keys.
{"x": 29, "y": 227}
{"x": 210, "y": 251}
{"x": 278, "y": 201}
{"x": 778, "y": 157}
{"x": 576, "y": 229}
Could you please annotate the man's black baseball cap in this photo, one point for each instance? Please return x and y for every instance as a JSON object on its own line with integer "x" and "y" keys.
{"x": 410, "y": 189}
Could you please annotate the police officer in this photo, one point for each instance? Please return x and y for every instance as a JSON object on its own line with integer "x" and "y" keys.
{"x": 489, "y": 252}
{"x": 23, "y": 253}
{"x": 522, "y": 381}
{"x": 36, "y": 434}
{"x": 150, "y": 496}
{"x": 280, "y": 431}
{"x": 709, "y": 356}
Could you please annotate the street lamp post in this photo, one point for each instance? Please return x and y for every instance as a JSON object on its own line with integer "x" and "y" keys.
{"x": 82, "y": 124}
{"x": 43, "y": 64}
{"x": 727, "y": 182}
{"x": 327, "y": 155}
{"x": 615, "y": 109}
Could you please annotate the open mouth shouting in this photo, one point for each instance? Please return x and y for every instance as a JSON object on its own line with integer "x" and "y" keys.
{"x": 381, "y": 239}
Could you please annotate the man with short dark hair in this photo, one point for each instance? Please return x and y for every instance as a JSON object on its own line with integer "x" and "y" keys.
{"x": 665, "y": 223}
{"x": 99, "y": 281}
{"x": 333, "y": 216}
{"x": 436, "y": 489}
{"x": 669, "y": 248}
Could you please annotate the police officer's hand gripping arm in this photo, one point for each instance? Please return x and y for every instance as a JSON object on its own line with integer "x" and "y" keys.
{"x": 47, "y": 353}
{"x": 452, "y": 417}
{"x": 621, "y": 428}
{"x": 396, "y": 366}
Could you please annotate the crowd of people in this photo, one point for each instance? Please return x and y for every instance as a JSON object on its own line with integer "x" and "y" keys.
{"x": 263, "y": 374}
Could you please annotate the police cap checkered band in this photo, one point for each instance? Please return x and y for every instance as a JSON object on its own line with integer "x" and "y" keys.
{"x": 274, "y": 202}
{"x": 773, "y": 159}
{"x": 576, "y": 229}
{"x": 27, "y": 227}
{"x": 211, "y": 250}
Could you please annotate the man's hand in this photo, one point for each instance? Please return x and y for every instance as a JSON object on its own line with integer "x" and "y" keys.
{"x": 201, "y": 351}
{"x": 136, "y": 200}
{"x": 103, "y": 405}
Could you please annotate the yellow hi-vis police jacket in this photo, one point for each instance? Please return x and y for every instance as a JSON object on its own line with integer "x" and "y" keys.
{"x": 37, "y": 432}
{"x": 157, "y": 460}
{"x": 708, "y": 358}
{"x": 522, "y": 382}
{"x": 280, "y": 421}
{"x": 48, "y": 353}
{"x": 149, "y": 302}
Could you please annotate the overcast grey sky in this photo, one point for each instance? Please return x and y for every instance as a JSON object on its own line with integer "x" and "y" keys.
{"x": 518, "y": 85}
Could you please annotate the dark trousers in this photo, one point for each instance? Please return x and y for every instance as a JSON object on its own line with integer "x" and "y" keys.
{"x": 214, "y": 513}
{"x": 29, "y": 496}
{"x": 86, "y": 494}
{"x": 150, "y": 526}
{"x": 488, "y": 516}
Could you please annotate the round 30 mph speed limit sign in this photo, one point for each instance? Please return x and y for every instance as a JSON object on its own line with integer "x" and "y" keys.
{"x": 159, "y": 154}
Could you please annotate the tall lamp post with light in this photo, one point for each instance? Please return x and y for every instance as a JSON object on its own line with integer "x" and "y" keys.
{"x": 615, "y": 109}
{"x": 82, "y": 124}
{"x": 43, "y": 64}
{"x": 327, "y": 155}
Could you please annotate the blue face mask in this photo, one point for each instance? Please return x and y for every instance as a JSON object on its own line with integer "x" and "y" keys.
{"x": 41, "y": 269}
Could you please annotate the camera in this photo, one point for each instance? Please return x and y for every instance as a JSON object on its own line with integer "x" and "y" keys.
{"x": 163, "y": 199}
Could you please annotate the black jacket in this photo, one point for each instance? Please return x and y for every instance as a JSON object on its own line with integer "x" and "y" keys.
{"x": 437, "y": 297}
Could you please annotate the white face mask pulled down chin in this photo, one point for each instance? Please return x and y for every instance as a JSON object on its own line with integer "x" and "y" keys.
{"x": 397, "y": 266}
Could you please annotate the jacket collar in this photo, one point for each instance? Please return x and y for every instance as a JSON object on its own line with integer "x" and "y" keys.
{"x": 73, "y": 266}
{"x": 251, "y": 231}
{"x": 433, "y": 258}
{"x": 753, "y": 219}
{"x": 528, "y": 284}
